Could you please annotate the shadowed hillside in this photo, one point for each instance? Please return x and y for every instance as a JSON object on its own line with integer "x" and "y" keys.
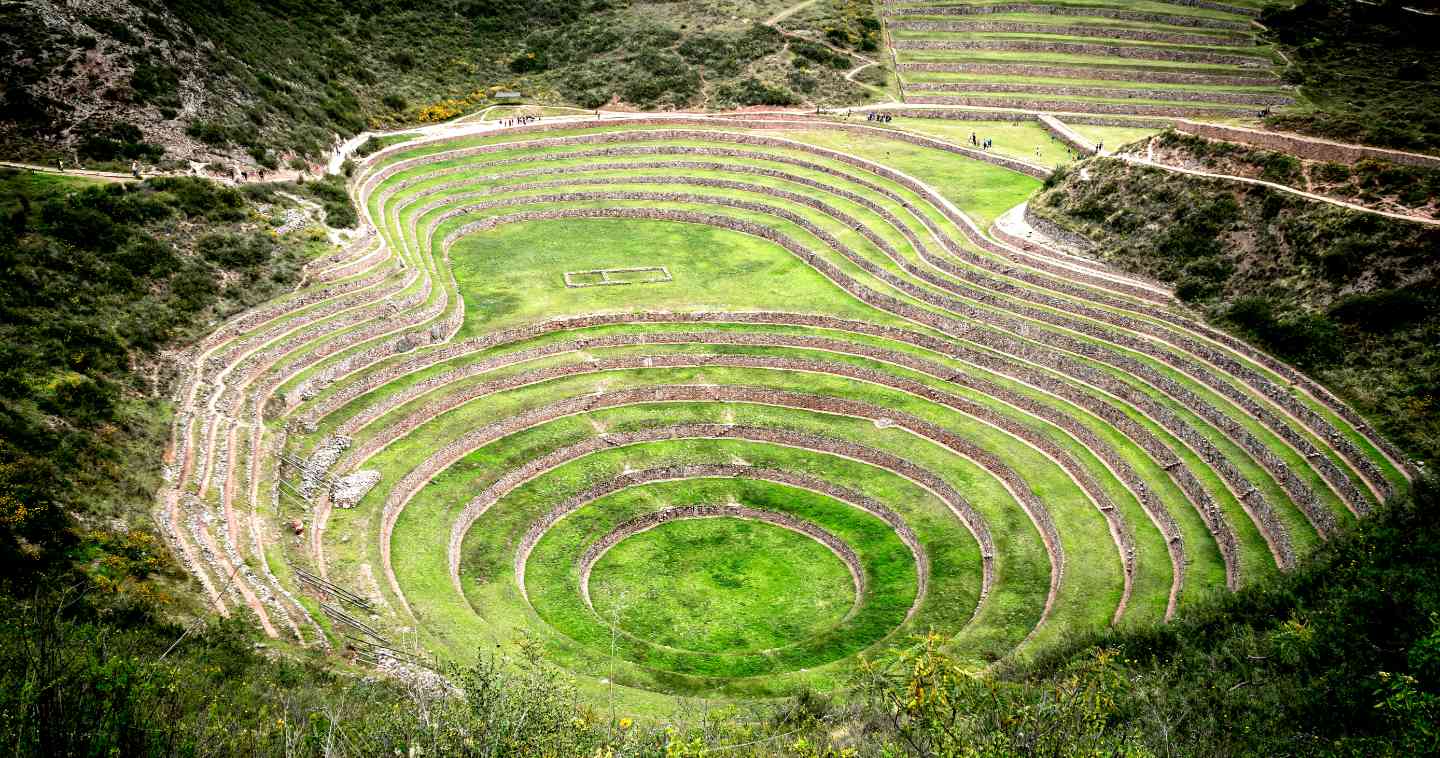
{"x": 121, "y": 80}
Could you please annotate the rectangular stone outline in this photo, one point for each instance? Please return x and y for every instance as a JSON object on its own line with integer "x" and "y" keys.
{"x": 605, "y": 274}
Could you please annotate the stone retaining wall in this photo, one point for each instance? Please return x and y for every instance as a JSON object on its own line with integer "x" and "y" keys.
{"x": 1199, "y": 22}
{"x": 1203, "y": 446}
{"x": 1065, "y": 134}
{"x": 1109, "y": 73}
{"x": 1084, "y": 481}
{"x": 1254, "y": 501}
{"x": 799, "y": 221}
{"x": 1074, "y": 30}
{"x": 1153, "y": 447}
{"x": 1138, "y": 123}
{"x": 1078, "y": 106}
{"x": 1185, "y": 95}
{"x": 1299, "y": 492}
{"x": 923, "y": 478}
{"x": 1055, "y": 231}
{"x": 1239, "y": 10}
{"x": 1127, "y": 52}
{"x": 1306, "y": 147}
{"x": 446, "y": 456}
{"x": 1159, "y": 515}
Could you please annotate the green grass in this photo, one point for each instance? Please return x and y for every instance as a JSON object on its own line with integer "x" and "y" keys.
{"x": 981, "y": 190}
{"x": 1076, "y": 60}
{"x": 1226, "y": 109}
{"x": 1258, "y": 53}
{"x": 721, "y": 584}
{"x": 1014, "y": 139}
{"x": 918, "y": 81}
{"x": 515, "y": 274}
{"x": 1082, "y": 21}
{"x": 512, "y": 275}
{"x": 1153, "y": 6}
{"x": 740, "y": 631}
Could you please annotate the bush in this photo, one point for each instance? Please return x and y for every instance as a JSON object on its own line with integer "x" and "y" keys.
{"x": 235, "y": 251}
{"x": 820, "y": 54}
{"x": 333, "y": 196}
{"x": 155, "y": 82}
{"x": 752, "y": 91}
{"x": 120, "y": 141}
{"x": 368, "y": 147}
{"x": 212, "y": 134}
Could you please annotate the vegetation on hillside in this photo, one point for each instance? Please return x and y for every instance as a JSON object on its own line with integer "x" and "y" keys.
{"x": 1351, "y": 297}
{"x": 278, "y": 81}
{"x": 95, "y": 281}
{"x": 1368, "y": 70}
{"x": 1372, "y": 183}
{"x": 1339, "y": 657}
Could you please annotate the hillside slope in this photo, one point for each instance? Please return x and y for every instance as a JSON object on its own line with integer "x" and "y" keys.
{"x": 1367, "y": 71}
{"x": 1351, "y": 297}
{"x": 271, "y": 83}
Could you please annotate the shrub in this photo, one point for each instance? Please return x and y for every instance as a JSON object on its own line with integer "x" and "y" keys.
{"x": 235, "y": 251}
{"x": 331, "y": 192}
{"x": 368, "y": 147}
{"x": 209, "y": 133}
{"x": 820, "y": 54}
{"x": 1384, "y": 311}
{"x": 120, "y": 141}
{"x": 152, "y": 82}
{"x": 752, "y": 91}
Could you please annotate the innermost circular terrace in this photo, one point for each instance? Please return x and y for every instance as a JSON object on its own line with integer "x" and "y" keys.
{"x": 711, "y": 581}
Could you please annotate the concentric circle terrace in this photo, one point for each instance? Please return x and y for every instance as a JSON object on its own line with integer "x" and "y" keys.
{"x": 844, "y": 416}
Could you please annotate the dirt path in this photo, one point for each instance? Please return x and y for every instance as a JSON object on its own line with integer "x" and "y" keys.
{"x": 101, "y": 176}
{"x": 1279, "y": 187}
{"x": 788, "y": 12}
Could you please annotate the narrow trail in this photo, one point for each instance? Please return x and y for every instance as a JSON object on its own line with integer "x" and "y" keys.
{"x": 1149, "y": 161}
{"x": 788, "y": 12}
{"x": 103, "y": 176}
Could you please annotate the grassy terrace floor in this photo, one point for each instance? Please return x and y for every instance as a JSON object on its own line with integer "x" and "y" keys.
{"x": 841, "y": 384}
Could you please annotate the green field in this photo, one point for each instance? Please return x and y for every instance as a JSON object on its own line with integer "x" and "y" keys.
{"x": 719, "y": 585}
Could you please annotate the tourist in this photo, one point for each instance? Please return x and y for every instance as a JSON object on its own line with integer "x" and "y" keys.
{"x": 60, "y": 163}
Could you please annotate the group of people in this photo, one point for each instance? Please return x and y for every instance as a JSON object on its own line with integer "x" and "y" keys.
{"x": 983, "y": 144}
{"x": 883, "y": 118}
{"x": 522, "y": 120}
